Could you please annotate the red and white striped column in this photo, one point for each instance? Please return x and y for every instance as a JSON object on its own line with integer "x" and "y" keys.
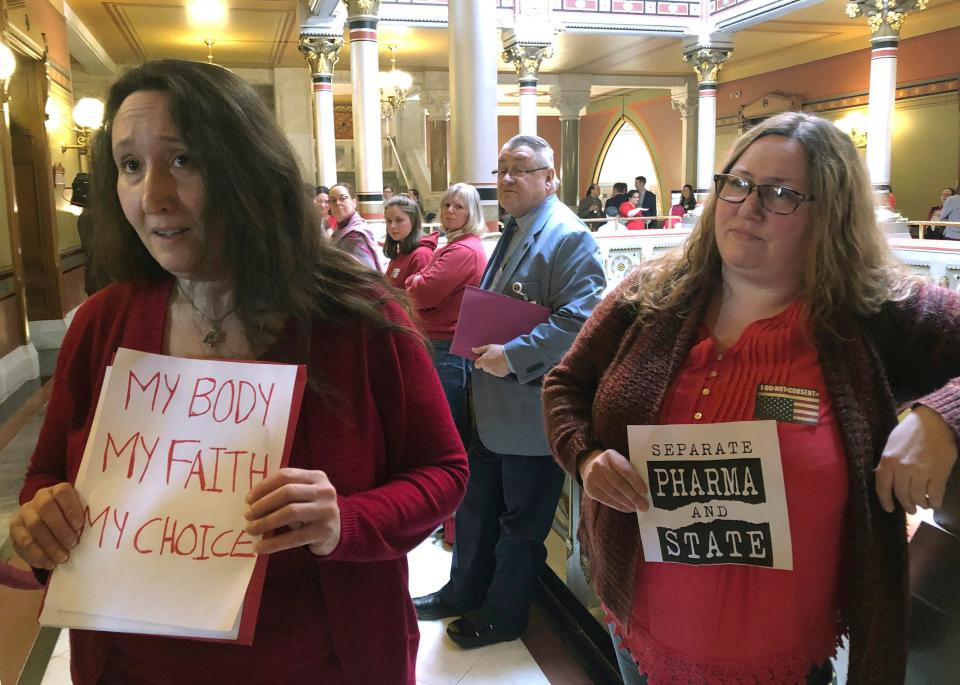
{"x": 322, "y": 53}
{"x": 365, "y": 79}
{"x": 707, "y": 59}
{"x": 527, "y": 58}
{"x": 883, "y": 89}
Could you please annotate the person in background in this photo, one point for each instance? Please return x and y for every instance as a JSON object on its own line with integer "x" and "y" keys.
{"x": 321, "y": 200}
{"x": 414, "y": 195}
{"x": 951, "y": 212}
{"x": 388, "y": 193}
{"x": 544, "y": 255}
{"x": 648, "y": 199}
{"x": 769, "y": 300}
{"x": 351, "y": 233}
{"x": 93, "y": 279}
{"x": 934, "y": 212}
{"x": 195, "y": 228}
{"x": 688, "y": 199}
{"x": 437, "y": 289}
{"x": 891, "y": 199}
{"x": 617, "y": 198}
{"x": 631, "y": 208}
{"x": 408, "y": 250}
{"x": 590, "y": 206}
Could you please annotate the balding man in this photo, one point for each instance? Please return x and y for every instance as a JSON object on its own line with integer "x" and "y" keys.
{"x": 545, "y": 255}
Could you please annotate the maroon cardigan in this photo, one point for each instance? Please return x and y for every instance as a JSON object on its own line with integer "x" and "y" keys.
{"x": 617, "y": 373}
{"x": 397, "y": 475}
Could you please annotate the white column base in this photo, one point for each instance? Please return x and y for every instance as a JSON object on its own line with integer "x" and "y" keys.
{"x": 16, "y": 368}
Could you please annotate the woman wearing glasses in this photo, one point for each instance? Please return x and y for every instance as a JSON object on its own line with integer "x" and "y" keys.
{"x": 351, "y": 232}
{"x": 786, "y": 281}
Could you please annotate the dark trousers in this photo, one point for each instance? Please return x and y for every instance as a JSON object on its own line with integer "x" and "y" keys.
{"x": 501, "y": 526}
{"x": 453, "y": 372}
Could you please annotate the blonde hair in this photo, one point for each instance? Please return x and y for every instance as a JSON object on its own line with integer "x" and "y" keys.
{"x": 850, "y": 265}
{"x": 471, "y": 198}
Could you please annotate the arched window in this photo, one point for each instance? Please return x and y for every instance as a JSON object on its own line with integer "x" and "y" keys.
{"x": 625, "y": 157}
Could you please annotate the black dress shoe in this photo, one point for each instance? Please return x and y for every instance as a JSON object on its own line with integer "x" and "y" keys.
{"x": 432, "y": 607}
{"x": 469, "y": 633}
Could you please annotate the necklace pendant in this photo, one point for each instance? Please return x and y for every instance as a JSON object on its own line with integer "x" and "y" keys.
{"x": 214, "y": 337}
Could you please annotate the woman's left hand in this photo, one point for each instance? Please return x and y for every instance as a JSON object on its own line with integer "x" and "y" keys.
{"x": 305, "y": 502}
{"x": 916, "y": 462}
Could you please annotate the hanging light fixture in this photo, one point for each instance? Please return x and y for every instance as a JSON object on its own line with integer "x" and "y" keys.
{"x": 209, "y": 17}
{"x": 394, "y": 85}
{"x": 8, "y": 62}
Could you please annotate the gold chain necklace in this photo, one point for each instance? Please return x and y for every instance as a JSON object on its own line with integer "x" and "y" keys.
{"x": 215, "y": 335}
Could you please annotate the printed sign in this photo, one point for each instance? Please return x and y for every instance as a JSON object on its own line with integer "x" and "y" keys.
{"x": 716, "y": 494}
{"x": 175, "y": 446}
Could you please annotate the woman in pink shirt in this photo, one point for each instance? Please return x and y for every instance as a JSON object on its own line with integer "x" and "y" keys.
{"x": 437, "y": 290}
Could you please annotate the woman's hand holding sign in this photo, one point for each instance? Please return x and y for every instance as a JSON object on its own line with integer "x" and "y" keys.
{"x": 609, "y": 478}
{"x": 303, "y": 501}
{"x": 916, "y": 462}
{"x": 47, "y": 527}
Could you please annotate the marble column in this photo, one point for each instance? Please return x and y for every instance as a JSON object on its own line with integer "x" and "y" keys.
{"x": 884, "y": 17}
{"x": 685, "y": 103}
{"x": 707, "y": 58}
{"x": 437, "y": 106}
{"x": 322, "y": 53}
{"x": 526, "y": 59}
{"x": 570, "y": 98}
{"x": 365, "y": 78}
{"x": 473, "y": 99}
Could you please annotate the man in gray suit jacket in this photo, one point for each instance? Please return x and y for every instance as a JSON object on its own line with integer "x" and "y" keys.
{"x": 545, "y": 256}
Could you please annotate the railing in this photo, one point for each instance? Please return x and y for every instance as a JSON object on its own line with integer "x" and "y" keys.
{"x": 921, "y": 225}
{"x": 622, "y": 220}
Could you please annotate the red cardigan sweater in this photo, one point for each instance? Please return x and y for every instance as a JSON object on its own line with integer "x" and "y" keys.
{"x": 437, "y": 290}
{"x": 617, "y": 374}
{"x": 396, "y": 477}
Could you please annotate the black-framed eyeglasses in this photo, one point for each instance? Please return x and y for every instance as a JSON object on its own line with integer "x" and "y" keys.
{"x": 774, "y": 199}
{"x": 517, "y": 173}
{"x": 339, "y": 199}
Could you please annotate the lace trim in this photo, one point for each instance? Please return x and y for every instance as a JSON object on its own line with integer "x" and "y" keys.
{"x": 663, "y": 666}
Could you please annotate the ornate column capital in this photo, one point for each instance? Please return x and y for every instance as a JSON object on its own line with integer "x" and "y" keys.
{"x": 707, "y": 57}
{"x": 362, "y": 8}
{"x": 321, "y": 52}
{"x": 884, "y": 17}
{"x": 569, "y": 103}
{"x": 681, "y": 101}
{"x": 527, "y": 58}
{"x": 437, "y": 104}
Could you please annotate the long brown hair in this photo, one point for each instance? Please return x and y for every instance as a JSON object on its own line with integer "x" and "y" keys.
{"x": 275, "y": 257}
{"x": 850, "y": 266}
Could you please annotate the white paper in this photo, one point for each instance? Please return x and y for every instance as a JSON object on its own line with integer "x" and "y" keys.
{"x": 163, "y": 547}
{"x": 716, "y": 494}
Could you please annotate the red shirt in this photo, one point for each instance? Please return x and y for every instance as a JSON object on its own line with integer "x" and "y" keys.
{"x": 403, "y": 266}
{"x": 627, "y": 207}
{"x": 728, "y": 623}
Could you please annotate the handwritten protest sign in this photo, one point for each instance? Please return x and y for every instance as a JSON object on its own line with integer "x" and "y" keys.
{"x": 175, "y": 446}
{"x": 716, "y": 494}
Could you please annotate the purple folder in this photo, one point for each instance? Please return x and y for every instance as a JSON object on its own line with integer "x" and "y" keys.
{"x": 492, "y": 318}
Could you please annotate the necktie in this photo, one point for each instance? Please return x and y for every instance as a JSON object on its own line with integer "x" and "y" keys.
{"x": 499, "y": 254}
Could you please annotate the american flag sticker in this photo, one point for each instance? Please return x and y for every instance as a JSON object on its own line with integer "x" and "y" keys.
{"x": 783, "y": 403}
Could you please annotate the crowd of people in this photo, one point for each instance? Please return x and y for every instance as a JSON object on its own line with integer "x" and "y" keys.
{"x": 396, "y": 432}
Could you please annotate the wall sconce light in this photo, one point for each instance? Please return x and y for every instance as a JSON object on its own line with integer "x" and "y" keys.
{"x": 88, "y": 116}
{"x": 855, "y": 124}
